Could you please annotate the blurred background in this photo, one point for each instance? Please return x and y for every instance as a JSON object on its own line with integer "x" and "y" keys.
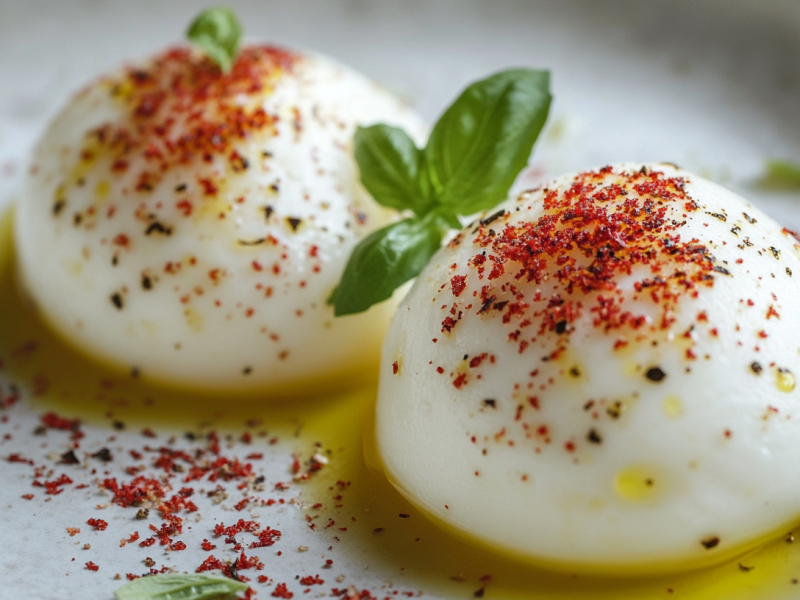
{"x": 712, "y": 85}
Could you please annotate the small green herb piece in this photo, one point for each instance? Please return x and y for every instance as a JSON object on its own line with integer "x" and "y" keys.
{"x": 474, "y": 154}
{"x": 782, "y": 173}
{"x": 484, "y": 140}
{"x": 389, "y": 163}
{"x": 217, "y": 32}
{"x": 385, "y": 260}
{"x": 195, "y": 586}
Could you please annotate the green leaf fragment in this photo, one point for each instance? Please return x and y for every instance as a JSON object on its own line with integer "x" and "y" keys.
{"x": 389, "y": 163}
{"x": 484, "y": 140}
{"x": 217, "y": 32}
{"x": 782, "y": 173}
{"x": 195, "y": 586}
{"x": 385, "y": 260}
{"x": 472, "y": 158}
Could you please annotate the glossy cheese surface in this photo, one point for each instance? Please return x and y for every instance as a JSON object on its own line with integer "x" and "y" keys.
{"x": 190, "y": 226}
{"x": 601, "y": 375}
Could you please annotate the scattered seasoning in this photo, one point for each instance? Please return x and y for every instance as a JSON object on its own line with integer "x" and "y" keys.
{"x": 655, "y": 374}
{"x": 92, "y": 567}
{"x": 69, "y": 458}
{"x": 104, "y": 454}
{"x": 116, "y": 300}
{"x": 710, "y": 542}
{"x": 756, "y": 368}
{"x": 595, "y": 230}
{"x": 594, "y": 437}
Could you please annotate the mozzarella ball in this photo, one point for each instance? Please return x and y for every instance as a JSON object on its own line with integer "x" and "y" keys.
{"x": 190, "y": 226}
{"x": 600, "y": 375}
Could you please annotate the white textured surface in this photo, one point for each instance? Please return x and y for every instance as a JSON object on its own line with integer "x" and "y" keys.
{"x": 670, "y": 433}
{"x": 713, "y": 85}
{"x": 248, "y": 309}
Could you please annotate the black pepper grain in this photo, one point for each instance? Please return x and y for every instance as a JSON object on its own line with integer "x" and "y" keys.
{"x": 655, "y": 374}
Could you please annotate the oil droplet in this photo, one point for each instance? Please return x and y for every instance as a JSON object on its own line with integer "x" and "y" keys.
{"x": 101, "y": 190}
{"x": 635, "y": 483}
{"x": 193, "y": 319}
{"x": 785, "y": 380}
{"x": 673, "y": 406}
{"x": 631, "y": 368}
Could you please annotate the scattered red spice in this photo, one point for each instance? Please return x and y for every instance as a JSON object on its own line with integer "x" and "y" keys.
{"x": 460, "y": 380}
{"x": 97, "y": 524}
{"x": 53, "y": 487}
{"x": 181, "y": 109}
{"x": 604, "y": 226}
{"x": 281, "y": 591}
{"x": 457, "y": 284}
{"x": 92, "y": 567}
{"x": 18, "y": 458}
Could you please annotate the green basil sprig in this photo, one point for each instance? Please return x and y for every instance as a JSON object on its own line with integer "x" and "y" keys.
{"x": 782, "y": 173}
{"x": 217, "y": 32}
{"x": 194, "y": 586}
{"x": 474, "y": 154}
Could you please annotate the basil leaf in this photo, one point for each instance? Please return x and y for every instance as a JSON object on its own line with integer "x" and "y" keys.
{"x": 217, "y": 31}
{"x": 385, "y": 260}
{"x": 484, "y": 140}
{"x": 389, "y": 165}
{"x": 195, "y": 586}
{"x": 782, "y": 173}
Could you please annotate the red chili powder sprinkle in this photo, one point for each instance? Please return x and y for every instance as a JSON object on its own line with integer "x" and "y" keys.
{"x": 91, "y": 566}
{"x": 604, "y": 227}
{"x": 280, "y": 591}
{"x": 180, "y": 109}
{"x": 457, "y": 284}
{"x": 395, "y": 367}
{"x": 98, "y": 524}
{"x": 460, "y": 380}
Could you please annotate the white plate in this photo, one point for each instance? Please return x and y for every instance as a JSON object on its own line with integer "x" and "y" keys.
{"x": 711, "y": 85}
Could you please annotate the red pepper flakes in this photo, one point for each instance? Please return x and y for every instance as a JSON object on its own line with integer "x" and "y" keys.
{"x": 92, "y": 567}
{"x": 137, "y": 491}
{"x": 181, "y": 110}
{"x": 208, "y": 546}
{"x": 148, "y": 542}
{"x": 395, "y": 368}
{"x": 460, "y": 380}
{"x": 242, "y": 504}
{"x": 281, "y": 591}
{"x": 52, "y": 421}
{"x": 73, "y": 531}
{"x": 602, "y": 228}
{"x": 241, "y": 525}
{"x": 309, "y": 580}
{"x": 53, "y": 487}
{"x": 28, "y": 496}
{"x": 18, "y": 458}
{"x": 98, "y": 524}
{"x": 457, "y": 284}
